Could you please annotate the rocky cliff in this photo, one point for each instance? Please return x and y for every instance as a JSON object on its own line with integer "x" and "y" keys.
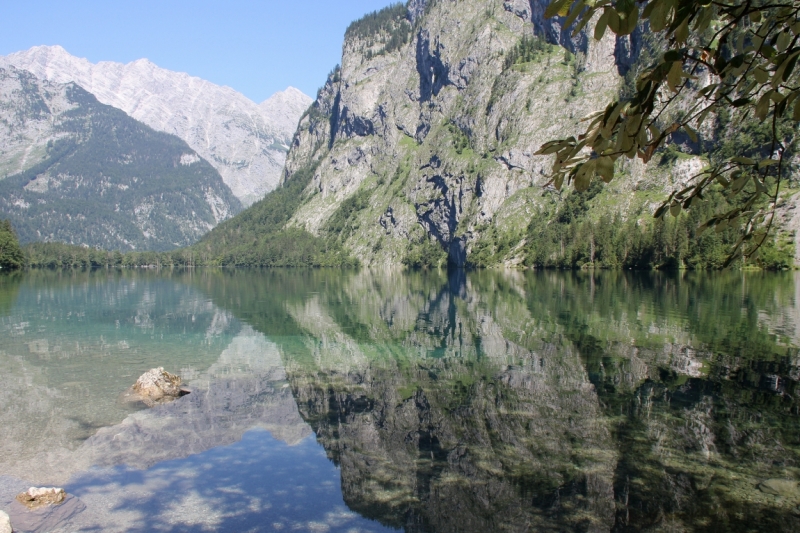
{"x": 77, "y": 171}
{"x": 439, "y": 133}
{"x": 422, "y": 143}
{"x": 246, "y": 142}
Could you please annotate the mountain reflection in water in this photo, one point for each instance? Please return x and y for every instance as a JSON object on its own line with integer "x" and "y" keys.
{"x": 480, "y": 401}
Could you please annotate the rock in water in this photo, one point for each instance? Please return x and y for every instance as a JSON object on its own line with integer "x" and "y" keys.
{"x": 35, "y": 497}
{"x": 158, "y": 386}
{"x": 5, "y": 523}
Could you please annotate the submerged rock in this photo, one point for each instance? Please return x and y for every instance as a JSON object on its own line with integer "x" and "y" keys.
{"x": 36, "y": 497}
{"x": 5, "y": 523}
{"x": 158, "y": 386}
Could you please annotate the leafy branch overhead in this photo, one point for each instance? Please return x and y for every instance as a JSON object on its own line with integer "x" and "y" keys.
{"x": 717, "y": 57}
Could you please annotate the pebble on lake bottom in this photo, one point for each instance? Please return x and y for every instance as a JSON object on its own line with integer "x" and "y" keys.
{"x": 5, "y": 523}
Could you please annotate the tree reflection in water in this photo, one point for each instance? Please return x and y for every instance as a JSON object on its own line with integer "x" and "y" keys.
{"x": 509, "y": 401}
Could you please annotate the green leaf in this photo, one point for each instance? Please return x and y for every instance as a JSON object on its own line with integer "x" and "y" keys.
{"x": 605, "y": 168}
{"x": 600, "y": 28}
{"x": 778, "y": 77}
{"x": 675, "y": 209}
{"x": 628, "y": 24}
{"x": 583, "y": 177}
{"x": 573, "y": 14}
{"x": 550, "y": 148}
{"x": 555, "y": 8}
{"x": 613, "y": 20}
{"x": 692, "y": 134}
{"x": 682, "y": 33}
{"x": 760, "y": 75}
{"x": 674, "y": 76}
{"x": 784, "y": 38}
{"x": 762, "y": 107}
{"x": 657, "y": 15}
{"x": 790, "y": 68}
{"x": 796, "y": 114}
{"x": 625, "y": 7}
{"x": 743, "y": 160}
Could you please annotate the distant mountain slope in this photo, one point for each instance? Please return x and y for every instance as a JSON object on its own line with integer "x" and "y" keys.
{"x": 81, "y": 172}
{"x": 246, "y": 142}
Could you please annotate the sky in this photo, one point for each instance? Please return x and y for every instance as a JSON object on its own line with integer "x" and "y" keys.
{"x": 255, "y": 47}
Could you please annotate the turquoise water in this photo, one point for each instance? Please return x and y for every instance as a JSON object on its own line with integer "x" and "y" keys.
{"x": 372, "y": 401}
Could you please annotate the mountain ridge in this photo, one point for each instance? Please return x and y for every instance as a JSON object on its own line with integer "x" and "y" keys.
{"x": 245, "y": 141}
{"x": 82, "y": 172}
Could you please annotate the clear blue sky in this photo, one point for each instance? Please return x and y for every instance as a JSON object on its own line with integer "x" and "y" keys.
{"x": 256, "y": 47}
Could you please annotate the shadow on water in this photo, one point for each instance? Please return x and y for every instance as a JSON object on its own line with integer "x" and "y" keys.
{"x": 256, "y": 484}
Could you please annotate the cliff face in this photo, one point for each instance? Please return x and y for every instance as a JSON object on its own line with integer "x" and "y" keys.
{"x": 422, "y": 145}
{"x": 77, "y": 171}
{"x": 437, "y": 136}
{"x": 246, "y": 142}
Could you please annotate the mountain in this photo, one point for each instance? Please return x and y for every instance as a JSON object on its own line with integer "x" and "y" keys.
{"x": 246, "y": 142}
{"x": 78, "y": 171}
{"x": 419, "y": 150}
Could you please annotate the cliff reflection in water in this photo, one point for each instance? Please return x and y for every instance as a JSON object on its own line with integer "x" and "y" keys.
{"x": 543, "y": 401}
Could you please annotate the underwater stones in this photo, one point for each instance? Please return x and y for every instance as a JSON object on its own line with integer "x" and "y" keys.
{"x": 785, "y": 488}
{"x": 36, "y": 497}
{"x": 43, "y": 509}
{"x": 158, "y": 386}
{"x": 5, "y": 523}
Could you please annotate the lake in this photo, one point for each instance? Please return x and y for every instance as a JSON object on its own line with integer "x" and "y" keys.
{"x": 365, "y": 401}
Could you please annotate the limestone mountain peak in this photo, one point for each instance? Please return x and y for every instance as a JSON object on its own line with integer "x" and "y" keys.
{"x": 243, "y": 140}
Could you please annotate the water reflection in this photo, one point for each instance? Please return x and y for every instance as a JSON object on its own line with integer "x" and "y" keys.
{"x": 476, "y": 401}
{"x": 201, "y": 463}
{"x": 544, "y": 401}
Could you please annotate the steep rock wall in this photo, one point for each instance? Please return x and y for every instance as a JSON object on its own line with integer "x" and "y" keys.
{"x": 439, "y": 134}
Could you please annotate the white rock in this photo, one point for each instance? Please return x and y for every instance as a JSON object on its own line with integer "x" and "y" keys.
{"x": 157, "y": 385}
{"x": 5, "y": 523}
{"x": 36, "y": 497}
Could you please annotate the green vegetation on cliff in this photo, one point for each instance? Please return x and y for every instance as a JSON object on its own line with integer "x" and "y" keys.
{"x": 259, "y": 236}
{"x": 388, "y": 28}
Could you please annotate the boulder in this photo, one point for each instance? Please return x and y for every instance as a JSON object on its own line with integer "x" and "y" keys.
{"x": 785, "y": 488}
{"x": 35, "y": 497}
{"x": 5, "y": 523}
{"x": 158, "y": 386}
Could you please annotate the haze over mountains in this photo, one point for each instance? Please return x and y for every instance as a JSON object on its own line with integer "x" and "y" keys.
{"x": 246, "y": 142}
